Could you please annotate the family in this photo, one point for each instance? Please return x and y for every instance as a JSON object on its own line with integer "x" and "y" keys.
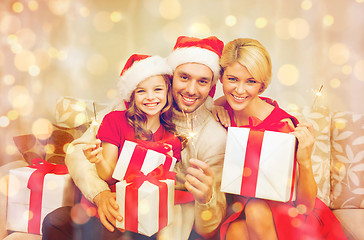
{"x": 156, "y": 108}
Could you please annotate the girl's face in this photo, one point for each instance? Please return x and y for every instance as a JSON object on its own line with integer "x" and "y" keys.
{"x": 151, "y": 96}
{"x": 239, "y": 86}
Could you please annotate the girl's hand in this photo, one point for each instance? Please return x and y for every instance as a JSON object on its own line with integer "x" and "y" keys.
{"x": 305, "y": 136}
{"x": 221, "y": 115}
{"x": 93, "y": 152}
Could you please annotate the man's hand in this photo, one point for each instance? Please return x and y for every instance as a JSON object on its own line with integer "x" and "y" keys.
{"x": 107, "y": 208}
{"x": 199, "y": 180}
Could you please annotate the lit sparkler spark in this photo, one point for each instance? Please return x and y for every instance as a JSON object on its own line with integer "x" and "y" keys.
{"x": 317, "y": 94}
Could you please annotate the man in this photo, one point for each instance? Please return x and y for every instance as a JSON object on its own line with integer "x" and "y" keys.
{"x": 196, "y": 70}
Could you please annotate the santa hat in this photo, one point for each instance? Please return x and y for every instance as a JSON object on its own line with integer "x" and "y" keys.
{"x": 206, "y": 51}
{"x": 138, "y": 68}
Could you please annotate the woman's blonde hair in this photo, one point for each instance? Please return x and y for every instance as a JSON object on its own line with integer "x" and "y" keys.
{"x": 251, "y": 54}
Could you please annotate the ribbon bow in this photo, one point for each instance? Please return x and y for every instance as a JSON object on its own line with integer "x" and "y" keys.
{"x": 35, "y": 184}
{"x": 256, "y": 124}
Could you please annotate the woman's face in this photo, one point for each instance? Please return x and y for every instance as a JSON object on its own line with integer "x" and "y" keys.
{"x": 151, "y": 96}
{"x": 239, "y": 86}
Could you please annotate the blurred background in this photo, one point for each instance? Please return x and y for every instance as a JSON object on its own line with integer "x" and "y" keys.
{"x": 77, "y": 48}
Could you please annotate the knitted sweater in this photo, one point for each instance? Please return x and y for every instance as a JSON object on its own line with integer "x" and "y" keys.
{"x": 208, "y": 146}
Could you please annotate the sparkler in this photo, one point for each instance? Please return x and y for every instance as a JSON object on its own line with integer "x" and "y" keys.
{"x": 318, "y": 93}
{"x": 190, "y": 117}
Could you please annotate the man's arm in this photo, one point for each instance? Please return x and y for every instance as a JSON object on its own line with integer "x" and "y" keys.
{"x": 85, "y": 176}
{"x": 211, "y": 148}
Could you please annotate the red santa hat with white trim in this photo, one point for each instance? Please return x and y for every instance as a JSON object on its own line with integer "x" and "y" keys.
{"x": 206, "y": 51}
{"x": 137, "y": 69}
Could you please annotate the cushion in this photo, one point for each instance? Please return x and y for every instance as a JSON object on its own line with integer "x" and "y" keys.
{"x": 319, "y": 117}
{"x": 59, "y": 140}
{"x": 347, "y": 160}
{"x": 73, "y": 112}
{"x": 30, "y": 146}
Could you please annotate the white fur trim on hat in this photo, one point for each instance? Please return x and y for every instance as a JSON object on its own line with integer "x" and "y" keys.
{"x": 141, "y": 70}
{"x": 195, "y": 55}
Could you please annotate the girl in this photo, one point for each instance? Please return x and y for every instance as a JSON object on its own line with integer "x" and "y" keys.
{"x": 246, "y": 67}
{"x": 145, "y": 87}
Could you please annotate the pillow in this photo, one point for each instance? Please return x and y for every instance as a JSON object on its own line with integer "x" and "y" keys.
{"x": 319, "y": 117}
{"x": 30, "y": 146}
{"x": 73, "y": 112}
{"x": 347, "y": 160}
{"x": 58, "y": 142}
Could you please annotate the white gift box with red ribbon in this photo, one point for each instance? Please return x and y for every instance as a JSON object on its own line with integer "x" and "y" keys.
{"x": 146, "y": 204}
{"x": 133, "y": 157}
{"x": 34, "y": 192}
{"x": 259, "y": 164}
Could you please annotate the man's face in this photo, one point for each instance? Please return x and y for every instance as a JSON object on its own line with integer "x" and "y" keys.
{"x": 191, "y": 86}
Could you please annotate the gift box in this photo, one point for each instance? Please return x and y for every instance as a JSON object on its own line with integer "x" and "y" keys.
{"x": 259, "y": 164}
{"x": 146, "y": 201}
{"x": 137, "y": 157}
{"x": 34, "y": 192}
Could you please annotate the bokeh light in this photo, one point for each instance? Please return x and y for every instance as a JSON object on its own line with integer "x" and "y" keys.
{"x": 144, "y": 207}
{"x": 13, "y": 115}
{"x": 299, "y": 28}
{"x": 49, "y": 148}
{"x": 26, "y": 38}
{"x": 292, "y": 212}
{"x": 230, "y": 20}
{"x": 247, "y": 172}
{"x": 261, "y": 22}
{"x": 11, "y": 149}
{"x": 335, "y": 83}
{"x": 116, "y": 16}
{"x": 59, "y": 7}
{"x": 4, "y": 185}
{"x": 18, "y": 7}
{"x": 20, "y": 100}
{"x": 288, "y": 74}
{"x": 84, "y": 12}
{"x": 199, "y": 29}
{"x": 102, "y": 22}
{"x": 42, "y": 128}
{"x": 33, "y": 5}
{"x": 24, "y": 60}
{"x": 8, "y": 80}
{"x": 340, "y": 123}
{"x": 359, "y": 70}
{"x": 306, "y": 5}
{"x": 206, "y": 215}
{"x": 4, "y": 121}
{"x": 347, "y": 69}
{"x": 78, "y": 214}
{"x": 80, "y": 119}
{"x": 171, "y": 31}
{"x": 34, "y": 70}
{"x": 9, "y": 24}
{"x": 339, "y": 53}
{"x": 237, "y": 206}
{"x": 328, "y": 20}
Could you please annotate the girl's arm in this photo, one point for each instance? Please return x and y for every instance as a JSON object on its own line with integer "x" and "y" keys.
{"x": 306, "y": 188}
{"x": 104, "y": 158}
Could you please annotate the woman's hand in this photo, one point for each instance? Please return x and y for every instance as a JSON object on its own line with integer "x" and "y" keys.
{"x": 305, "y": 136}
{"x": 221, "y": 115}
{"x": 93, "y": 151}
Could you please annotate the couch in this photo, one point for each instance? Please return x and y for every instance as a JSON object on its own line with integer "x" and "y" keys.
{"x": 338, "y": 158}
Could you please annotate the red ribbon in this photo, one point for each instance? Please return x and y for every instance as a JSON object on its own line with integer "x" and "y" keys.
{"x": 253, "y": 151}
{"x": 35, "y": 184}
{"x": 140, "y": 152}
{"x": 136, "y": 179}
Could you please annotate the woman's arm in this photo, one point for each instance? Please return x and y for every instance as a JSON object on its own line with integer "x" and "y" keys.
{"x": 306, "y": 187}
{"x": 219, "y": 112}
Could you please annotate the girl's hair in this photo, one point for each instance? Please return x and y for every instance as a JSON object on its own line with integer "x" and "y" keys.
{"x": 137, "y": 119}
{"x": 251, "y": 54}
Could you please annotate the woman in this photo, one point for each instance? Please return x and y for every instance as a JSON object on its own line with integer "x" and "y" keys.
{"x": 246, "y": 67}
